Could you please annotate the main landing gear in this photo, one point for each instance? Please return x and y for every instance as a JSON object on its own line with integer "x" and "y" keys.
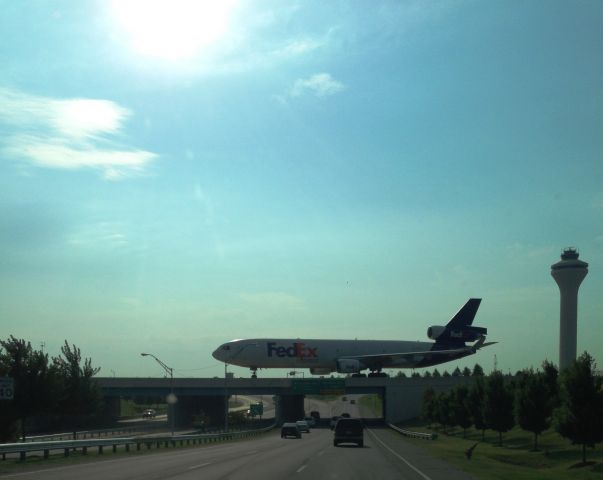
{"x": 377, "y": 373}
{"x": 254, "y": 372}
{"x": 373, "y": 374}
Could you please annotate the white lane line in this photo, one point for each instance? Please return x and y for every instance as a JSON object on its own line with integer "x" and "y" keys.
{"x": 301, "y": 469}
{"x": 321, "y": 453}
{"x": 399, "y": 456}
{"x": 253, "y": 452}
{"x": 199, "y": 466}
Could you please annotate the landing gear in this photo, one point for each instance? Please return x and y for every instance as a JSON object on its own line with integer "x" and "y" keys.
{"x": 254, "y": 372}
{"x": 359, "y": 375}
{"x": 377, "y": 373}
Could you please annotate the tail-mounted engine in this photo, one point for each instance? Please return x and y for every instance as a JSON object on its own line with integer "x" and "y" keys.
{"x": 467, "y": 333}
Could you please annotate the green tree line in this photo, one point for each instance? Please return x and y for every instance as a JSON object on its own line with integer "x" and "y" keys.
{"x": 571, "y": 402}
{"x": 60, "y": 388}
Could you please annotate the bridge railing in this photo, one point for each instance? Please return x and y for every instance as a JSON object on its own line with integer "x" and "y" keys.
{"x": 130, "y": 442}
{"x": 409, "y": 433}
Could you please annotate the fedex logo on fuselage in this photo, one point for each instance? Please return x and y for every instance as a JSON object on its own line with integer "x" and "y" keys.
{"x": 298, "y": 350}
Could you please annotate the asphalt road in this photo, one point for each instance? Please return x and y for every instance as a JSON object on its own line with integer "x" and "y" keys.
{"x": 386, "y": 455}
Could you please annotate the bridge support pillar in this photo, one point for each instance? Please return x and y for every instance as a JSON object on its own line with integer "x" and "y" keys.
{"x": 111, "y": 407}
{"x": 191, "y": 410}
{"x": 290, "y": 408}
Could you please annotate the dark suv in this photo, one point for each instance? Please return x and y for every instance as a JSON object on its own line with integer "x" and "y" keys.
{"x": 349, "y": 430}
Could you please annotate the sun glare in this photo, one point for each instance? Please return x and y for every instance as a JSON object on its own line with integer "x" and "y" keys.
{"x": 172, "y": 29}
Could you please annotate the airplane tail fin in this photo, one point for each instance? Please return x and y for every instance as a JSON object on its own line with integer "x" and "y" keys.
{"x": 459, "y": 329}
{"x": 465, "y": 315}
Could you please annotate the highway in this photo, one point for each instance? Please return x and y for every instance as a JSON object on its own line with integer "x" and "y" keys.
{"x": 386, "y": 455}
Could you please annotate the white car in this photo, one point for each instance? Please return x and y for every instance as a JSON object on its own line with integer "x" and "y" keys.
{"x": 303, "y": 426}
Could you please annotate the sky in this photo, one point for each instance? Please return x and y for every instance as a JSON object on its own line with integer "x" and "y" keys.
{"x": 178, "y": 174}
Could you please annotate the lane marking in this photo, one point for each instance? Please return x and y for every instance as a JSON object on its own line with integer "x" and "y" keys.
{"x": 301, "y": 469}
{"x": 199, "y": 466}
{"x": 399, "y": 456}
{"x": 253, "y": 452}
{"x": 321, "y": 453}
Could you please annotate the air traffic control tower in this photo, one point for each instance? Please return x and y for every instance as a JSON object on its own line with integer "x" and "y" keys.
{"x": 568, "y": 273}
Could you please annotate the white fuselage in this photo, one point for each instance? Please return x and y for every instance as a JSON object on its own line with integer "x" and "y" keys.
{"x": 311, "y": 353}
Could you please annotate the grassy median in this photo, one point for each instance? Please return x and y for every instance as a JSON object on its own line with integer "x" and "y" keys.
{"x": 556, "y": 458}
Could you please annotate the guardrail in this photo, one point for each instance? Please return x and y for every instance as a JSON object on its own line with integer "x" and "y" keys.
{"x": 105, "y": 432}
{"x": 67, "y": 446}
{"x": 409, "y": 433}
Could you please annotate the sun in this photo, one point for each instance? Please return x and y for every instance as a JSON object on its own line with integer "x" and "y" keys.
{"x": 172, "y": 29}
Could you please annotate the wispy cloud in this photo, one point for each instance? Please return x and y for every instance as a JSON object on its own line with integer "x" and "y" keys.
{"x": 320, "y": 85}
{"x": 68, "y": 134}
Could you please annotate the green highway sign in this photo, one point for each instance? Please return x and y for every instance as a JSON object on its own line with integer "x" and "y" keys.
{"x": 318, "y": 386}
{"x": 256, "y": 409}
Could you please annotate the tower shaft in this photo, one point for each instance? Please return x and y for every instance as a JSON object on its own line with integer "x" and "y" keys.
{"x": 568, "y": 273}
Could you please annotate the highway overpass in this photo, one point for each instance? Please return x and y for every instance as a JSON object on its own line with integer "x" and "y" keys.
{"x": 401, "y": 397}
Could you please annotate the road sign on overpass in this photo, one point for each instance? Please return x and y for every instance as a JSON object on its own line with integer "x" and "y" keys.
{"x": 318, "y": 386}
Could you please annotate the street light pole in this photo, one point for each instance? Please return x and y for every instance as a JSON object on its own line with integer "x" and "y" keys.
{"x": 171, "y": 397}
{"x": 225, "y": 398}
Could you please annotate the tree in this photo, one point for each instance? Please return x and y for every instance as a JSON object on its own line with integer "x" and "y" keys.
{"x": 466, "y": 372}
{"x": 456, "y": 372}
{"x": 476, "y": 404}
{"x": 426, "y": 374}
{"x": 400, "y": 374}
{"x": 445, "y": 374}
{"x": 551, "y": 378}
{"x": 436, "y": 373}
{"x": 35, "y": 381}
{"x": 443, "y": 410}
{"x": 461, "y": 408}
{"x": 80, "y": 393}
{"x": 580, "y": 416}
{"x": 478, "y": 371}
{"x": 533, "y": 406}
{"x": 429, "y": 405}
{"x": 498, "y": 404}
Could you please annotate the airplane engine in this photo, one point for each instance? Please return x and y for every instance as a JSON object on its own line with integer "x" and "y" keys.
{"x": 320, "y": 371}
{"x": 435, "y": 331}
{"x": 349, "y": 366}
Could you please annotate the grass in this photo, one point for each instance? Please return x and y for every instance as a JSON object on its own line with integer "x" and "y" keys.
{"x": 556, "y": 458}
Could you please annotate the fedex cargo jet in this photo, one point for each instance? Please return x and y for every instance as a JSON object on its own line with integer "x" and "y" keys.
{"x": 353, "y": 356}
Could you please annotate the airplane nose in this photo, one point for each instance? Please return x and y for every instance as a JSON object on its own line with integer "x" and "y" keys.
{"x": 216, "y": 354}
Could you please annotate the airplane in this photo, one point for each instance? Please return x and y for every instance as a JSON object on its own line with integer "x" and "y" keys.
{"x": 323, "y": 357}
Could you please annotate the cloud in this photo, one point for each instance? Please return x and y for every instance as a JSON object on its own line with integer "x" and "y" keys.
{"x": 68, "y": 134}
{"x": 320, "y": 85}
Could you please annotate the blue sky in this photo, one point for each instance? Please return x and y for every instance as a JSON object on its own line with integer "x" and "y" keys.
{"x": 179, "y": 175}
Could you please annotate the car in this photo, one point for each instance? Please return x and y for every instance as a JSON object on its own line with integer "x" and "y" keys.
{"x": 290, "y": 430}
{"x": 315, "y": 414}
{"x": 344, "y": 399}
{"x": 353, "y": 402}
{"x": 348, "y": 430}
{"x": 149, "y": 413}
{"x": 303, "y": 426}
{"x": 334, "y": 421}
{"x": 345, "y": 415}
{"x": 310, "y": 421}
